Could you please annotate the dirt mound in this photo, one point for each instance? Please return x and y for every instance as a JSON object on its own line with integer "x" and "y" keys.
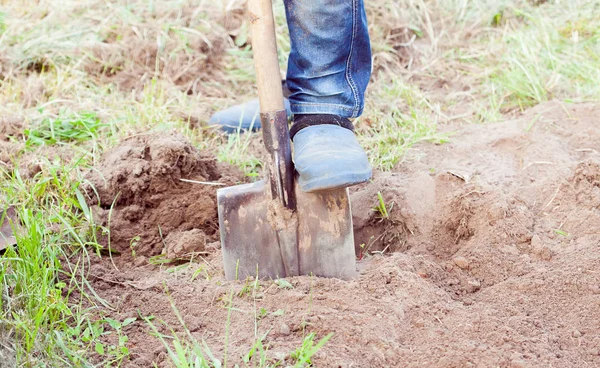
{"x": 494, "y": 259}
{"x": 145, "y": 204}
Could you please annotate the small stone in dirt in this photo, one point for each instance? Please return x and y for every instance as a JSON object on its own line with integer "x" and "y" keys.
{"x": 279, "y": 355}
{"x": 536, "y": 241}
{"x": 284, "y": 330}
{"x": 140, "y": 261}
{"x": 468, "y": 302}
{"x": 539, "y": 249}
{"x": 461, "y": 262}
{"x": 473, "y": 286}
{"x": 594, "y": 288}
{"x": 193, "y": 323}
{"x": 182, "y": 244}
{"x": 546, "y": 254}
{"x": 576, "y": 334}
{"x": 419, "y": 323}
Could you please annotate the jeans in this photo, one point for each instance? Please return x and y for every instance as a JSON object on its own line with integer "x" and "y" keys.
{"x": 330, "y": 60}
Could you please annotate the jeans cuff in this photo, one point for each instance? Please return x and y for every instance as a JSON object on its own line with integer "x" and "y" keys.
{"x": 324, "y": 108}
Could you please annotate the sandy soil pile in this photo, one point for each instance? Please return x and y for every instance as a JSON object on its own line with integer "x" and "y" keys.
{"x": 495, "y": 240}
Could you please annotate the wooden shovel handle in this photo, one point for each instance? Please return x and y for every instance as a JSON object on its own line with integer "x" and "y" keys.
{"x": 266, "y": 63}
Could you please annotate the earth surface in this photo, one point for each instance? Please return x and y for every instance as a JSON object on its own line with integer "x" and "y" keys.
{"x": 489, "y": 255}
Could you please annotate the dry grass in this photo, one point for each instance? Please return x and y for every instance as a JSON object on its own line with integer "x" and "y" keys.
{"x": 171, "y": 64}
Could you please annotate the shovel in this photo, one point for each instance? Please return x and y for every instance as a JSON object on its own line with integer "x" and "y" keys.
{"x": 271, "y": 229}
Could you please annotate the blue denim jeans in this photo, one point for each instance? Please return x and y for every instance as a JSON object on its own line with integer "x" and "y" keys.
{"x": 330, "y": 60}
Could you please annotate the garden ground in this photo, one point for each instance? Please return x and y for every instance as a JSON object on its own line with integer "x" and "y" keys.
{"x": 477, "y": 238}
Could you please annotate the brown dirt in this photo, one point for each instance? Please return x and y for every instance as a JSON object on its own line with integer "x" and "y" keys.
{"x": 494, "y": 255}
{"x": 148, "y": 209}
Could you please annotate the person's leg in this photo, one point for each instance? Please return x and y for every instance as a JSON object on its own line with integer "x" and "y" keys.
{"x": 330, "y": 59}
{"x": 328, "y": 71}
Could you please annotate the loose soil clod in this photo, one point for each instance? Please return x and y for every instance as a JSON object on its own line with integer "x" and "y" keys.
{"x": 144, "y": 204}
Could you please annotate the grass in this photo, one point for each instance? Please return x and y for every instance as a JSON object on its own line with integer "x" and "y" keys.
{"x": 64, "y": 129}
{"x": 492, "y": 59}
{"x": 81, "y": 77}
{"x": 36, "y": 283}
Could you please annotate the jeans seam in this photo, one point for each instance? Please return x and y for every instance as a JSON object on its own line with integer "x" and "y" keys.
{"x": 349, "y": 61}
{"x": 323, "y": 104}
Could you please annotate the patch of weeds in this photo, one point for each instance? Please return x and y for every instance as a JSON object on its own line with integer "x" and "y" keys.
{"x": 187, "y": 351}
{"x": 550, "y": 53}
{"x": 262, "y": 313}
{"x": 66, "y": 128}
{"x": 302, "y": 355}
{"x": 259, "y": 351}
{"x": 283, "y": 284}
{"x": 381, "y": 207}
{"x": 133, "y": 244}
{"x": 249, "y": 287}
{"x": 159, "y": 259}
{"x": 47, "y": 265}
{"x": 498, "y": 18}
{"x": 114, "y": 348}
{"x": 201, "y": 270}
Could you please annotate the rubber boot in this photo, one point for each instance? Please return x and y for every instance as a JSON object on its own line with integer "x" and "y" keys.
{"x": 246, "y": 116}
{"x": 329, "y": 157}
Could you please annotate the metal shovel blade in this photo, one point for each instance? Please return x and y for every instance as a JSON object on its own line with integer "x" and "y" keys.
{"x": 255, "y": 244}
{"x": 325, "y": 234}
{"x": 248, "y": 240}
{"x": 8, "y": 219}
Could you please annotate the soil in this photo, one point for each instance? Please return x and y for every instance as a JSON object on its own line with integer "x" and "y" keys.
{"x": 141, "y": 196}
{"x": 488, "y": 256}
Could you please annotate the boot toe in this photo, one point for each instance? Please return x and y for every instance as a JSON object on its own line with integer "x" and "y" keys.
{"x": 329, "y": 157}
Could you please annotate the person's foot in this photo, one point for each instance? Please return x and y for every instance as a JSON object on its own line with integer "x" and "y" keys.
{"x": 241, "y": 117}
{"x": 244, "y": 117}
{"x": 329, "y": 157}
